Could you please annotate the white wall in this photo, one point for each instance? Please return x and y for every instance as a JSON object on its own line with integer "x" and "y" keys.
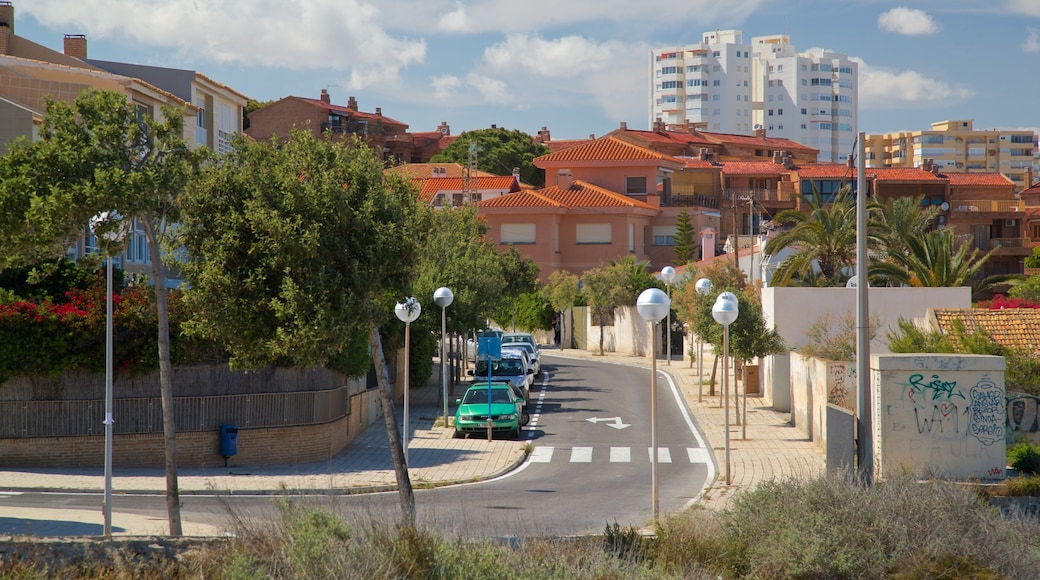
{"x": 791, "y": 311}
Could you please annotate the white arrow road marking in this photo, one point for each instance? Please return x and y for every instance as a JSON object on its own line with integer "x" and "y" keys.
{"x": 617, "y": 424}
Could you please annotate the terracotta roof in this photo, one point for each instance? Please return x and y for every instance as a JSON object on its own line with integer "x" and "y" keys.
{"x": 903, "y": 174}
{"x": 995, "y": 179}
{"x": 1032, "y": 189}
{"x": 579, "y": 195}
{"x": 668, "y": 137}
{"x": 424, "y": 170}
{"x": 429, "y": 187}
{"x": 773, "y": 143}
{"x": 825, "y": 170}
{"x": 560, "y": 144}
{"x": 605, "y": 149}
{"x": 345, "y": 111}
{"x": 880, "y": 174}
{"x": 753, "y": 168}
{"x": 698, "y": 163}
{"x": 1013, "y": 327}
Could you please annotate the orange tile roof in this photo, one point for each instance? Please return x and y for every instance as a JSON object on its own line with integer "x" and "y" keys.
{"x": 1013, "y": 327}
{"x": 1032, "y": 189}
{"x": 698, "y": 163}
{"x": 753, "y": 168}
{"x": 345, "y": 111}
{"x": 429, "y": 187}
{"x": 773, "y": 143}
{"x": 605, "y": 149}
{"x": 560, "y": 144}
{"x": 668, "y": 137}
{"x": 995, "y": 179}
{"x": 902, "y": 174}
{"x": 579, "y": 195}
{"x": 423, "y": 170}
{"x": 825, "y": 170}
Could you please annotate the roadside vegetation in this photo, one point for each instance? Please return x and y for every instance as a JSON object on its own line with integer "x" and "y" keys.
{"x": 828, "y": 527}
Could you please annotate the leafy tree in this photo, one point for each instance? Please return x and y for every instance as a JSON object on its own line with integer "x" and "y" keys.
{"x": 1033, "y": 261}
{"x": 931, "y": 260}
{"x": 633, "y": 277}
{"x": 1028, "y": 289}
{"x": 604, "y": 289}
{"x": 561, "y": 292}
{"x": 686, "y": 245}
{"x": 533, "y": 312}
{"x": 893, "y": 222}
{"x": 296, "y": 247}
{"x": 498, "y": 151}
{"x": 521, "y": 274}
{"x": 97, "y": 155}
{"x": 824, "y": 240}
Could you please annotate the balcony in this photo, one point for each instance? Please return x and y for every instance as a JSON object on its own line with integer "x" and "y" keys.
{"x": 758, "y": 195}
{"x": 987, "y": 205}
{"x": 1014, "y": 246}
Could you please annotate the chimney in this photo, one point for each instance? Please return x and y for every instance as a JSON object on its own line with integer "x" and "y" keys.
{"x": 592, "y": 136}
{"x": 352, "y": 104}
{"x": 516, "y": 175}
{"x": 76, "y": 45}
{"x": 707, "y": 244}
{"x": 760, "y": 133}
{"x": 543, "y": 135}
{"x": 494, "y": 126}
{"x": 788, "y": 160}
{"x": 379, "y": 111}
{"x": 6, "y": 25}
{"x": 659, "y": 126}
{"x": 443, "y": 128}
{"x": 564, "y": 179}
{"x": 778, "y": 157}
{"x": 325, "y": 98}
{"x": 624, "y": 126}
{"x": 935, "y": 168}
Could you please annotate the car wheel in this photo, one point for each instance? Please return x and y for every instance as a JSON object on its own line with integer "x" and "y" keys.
{"x": 516, "y": 432}
{"x": 525, "y": 418}
{"x": 459, "y": 434}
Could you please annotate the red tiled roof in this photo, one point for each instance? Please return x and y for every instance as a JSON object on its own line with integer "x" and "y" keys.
{"x": 772, "y": 143}
{"x": 902, "y": 174}
{"x": 1032, "y": 189}
{"x": 429, "y": 187}
{"x": 561, "y": 144}
{"x": 605, "y": 149}
{"x": 345, "y": 111}
{"x": 425, "y": 170}
{"x": 825, "y": 170}
{"x": 1012, "y": 327}
{"x": 579, "y": 195}
{"x": 668, "y": 137}
{"x": 698, "y": 163}
{"x": 995, "y": 179}
{"x": 753, "y": 168}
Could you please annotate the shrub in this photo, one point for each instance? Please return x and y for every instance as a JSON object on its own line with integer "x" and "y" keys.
{"x": 1025, "y": 457}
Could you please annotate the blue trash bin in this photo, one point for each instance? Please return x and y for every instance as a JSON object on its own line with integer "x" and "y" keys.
{"x": 228, "y": 441}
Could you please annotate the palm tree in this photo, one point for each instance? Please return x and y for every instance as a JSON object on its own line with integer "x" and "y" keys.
{"x": 897, "y": 220}
{"x": 823, "y": 240}
{"x": 932, "y": 260}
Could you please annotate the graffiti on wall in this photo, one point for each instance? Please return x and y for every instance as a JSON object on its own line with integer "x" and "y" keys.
{"x": 839, "y": 376}
{"x": 1022, "y": 413}
{"x": 943, "y": 409}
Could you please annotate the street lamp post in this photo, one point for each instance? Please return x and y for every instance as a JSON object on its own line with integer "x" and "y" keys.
{"x": 443, "y": 297}
{"x": 407, "y": 312}
{"x": 703, "y": 287}
{"x": 109, "y": 227}
{"x": 653, "y": 305}
{"x": 724, "y": 312}
{"x": 668, "y": 275}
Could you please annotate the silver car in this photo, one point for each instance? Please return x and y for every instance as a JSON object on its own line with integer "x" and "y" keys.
{"x": 529, "y": 351}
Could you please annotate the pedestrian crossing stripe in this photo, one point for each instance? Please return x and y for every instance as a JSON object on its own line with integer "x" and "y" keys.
{"x": 4, "y": 494}
{"x": 544, "y": 454}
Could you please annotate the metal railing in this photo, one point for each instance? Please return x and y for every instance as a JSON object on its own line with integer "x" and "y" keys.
{"x": 744, "y": 195}
{"x": 988, "y": 205}
{"x": 20, "y": 419}
{"x": 1009, "y": 243}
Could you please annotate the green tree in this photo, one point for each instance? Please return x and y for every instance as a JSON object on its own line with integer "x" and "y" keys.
{"x": 931, "y": 260}
{"x": 562, "y": 292}
{"x": 824, "y": 239}
{"x": 686, "y": 245}
{"x": 604, "y": 289}
{"x": 293, "y": 249}
{"x": 1033, "y": 261}
{"x": 633, "y": 276}
{"x": 97, "y": 155}
{"x": 498, "y": 151}
{"x": 895, "y": 221}
{"x": 521, "y": 274}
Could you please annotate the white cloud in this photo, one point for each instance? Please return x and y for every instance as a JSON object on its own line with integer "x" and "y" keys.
{"x": 1032, "y": 43}
{"x": 445, "y": 88}
{"x": 908, "y": 21}
{"x": 455, "y": 21}
{"x": 1027, "y": 7}
{"x": 881, "y": 88}
{"x": 293, "y": 34}
{"x": 561, "y": 57}
{"x": 492, "y": 90}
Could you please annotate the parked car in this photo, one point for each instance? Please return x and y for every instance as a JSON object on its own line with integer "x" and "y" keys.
{"x": 526, "y": 337}
{"x": 531, "y": 352}
{"x": 514, "y": 349}
{"x": 505, "y": 407}
{"x": 510, "y": 368}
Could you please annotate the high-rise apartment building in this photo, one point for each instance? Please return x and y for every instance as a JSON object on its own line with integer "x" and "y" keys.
{"x": 957, "y": 147}
{"x": 726, "y": 85}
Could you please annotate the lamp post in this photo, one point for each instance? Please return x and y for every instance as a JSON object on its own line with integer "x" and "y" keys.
{"x": 109, "y": 227}
{"x": 653, "y": 305}
{"x": 407, "y": 312}
{"x": 724, "y": 312}
{"x": 443, "y": 297}
{"x": 703, "y": 287}
{"x": 668, "y": 275}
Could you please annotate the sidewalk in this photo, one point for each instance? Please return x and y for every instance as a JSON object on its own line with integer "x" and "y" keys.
{"x": 773, "y": 450}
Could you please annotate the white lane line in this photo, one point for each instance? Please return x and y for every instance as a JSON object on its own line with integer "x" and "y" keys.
{"x": 542, "y": 454}
{"x": 620, "y": 454}
{"x": 581, "y": 455}
{"x": 698, "y": 455}
{"x": 664, "y": 455}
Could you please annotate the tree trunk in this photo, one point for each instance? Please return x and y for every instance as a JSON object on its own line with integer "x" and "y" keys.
{"x": 404, "y": 484}
{"x": 173, "y": 503}
{"x": 714, "y": 372}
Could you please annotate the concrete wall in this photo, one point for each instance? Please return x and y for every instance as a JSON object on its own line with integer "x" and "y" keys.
{"x": 939, "y": 415}
{"x": 815, "y": 384}
{"x": 791, "y": 311}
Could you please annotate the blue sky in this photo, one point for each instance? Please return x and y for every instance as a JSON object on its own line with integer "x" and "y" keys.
{"x": 578, "y": 67}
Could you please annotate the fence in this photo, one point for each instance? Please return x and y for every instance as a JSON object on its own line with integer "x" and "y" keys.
{"x": 22, "y": 419}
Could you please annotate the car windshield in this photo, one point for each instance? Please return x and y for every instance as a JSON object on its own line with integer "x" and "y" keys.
{"x": 477, "y": 396}
{"x": 503, "y": 367}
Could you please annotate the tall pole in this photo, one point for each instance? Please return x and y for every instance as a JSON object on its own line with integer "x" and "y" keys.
{"x": 654, "y": 497}
{"x": 725, "y": 391}
{"x": 668, "y": 329}
{"x": 700, "y": 369}
{"x": 108, "y": 401}
{"x": 865, "y": 455}
{"x": 444, "y": 363}
{"x": 405, "y": 427}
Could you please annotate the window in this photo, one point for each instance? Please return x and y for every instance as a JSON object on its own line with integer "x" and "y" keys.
{"x": 715, "y": 53}
{"x": 716, "y": 97}
{"x": 664, "y": 236}
{"x": 716, "y": 83}
{"x": 770, "y": 112}
{"x": 779, "y": 111}
{"x": 635, "y": 185}
{"x": 669, "y": 70}
{"x": 518, "y": 233}
{"x": 632, "y": 238}
{"x": 593, "y": 234}
{"x": 805, "y": 111}
{"x": 669, "y": 84}
{"x": 1021, "y": 138}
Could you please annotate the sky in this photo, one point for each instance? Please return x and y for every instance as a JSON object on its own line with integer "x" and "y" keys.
{"x": 577, "y": 67}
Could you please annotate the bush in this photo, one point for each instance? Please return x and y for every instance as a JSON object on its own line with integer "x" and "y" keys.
{"x": 1025, "y": 457}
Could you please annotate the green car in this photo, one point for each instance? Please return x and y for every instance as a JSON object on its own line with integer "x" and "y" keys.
{"x": 472, "y": 413}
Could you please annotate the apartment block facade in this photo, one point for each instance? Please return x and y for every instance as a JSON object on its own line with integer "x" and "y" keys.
{"x": 957, "y": 147}
{"x": 726, "y": 85}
